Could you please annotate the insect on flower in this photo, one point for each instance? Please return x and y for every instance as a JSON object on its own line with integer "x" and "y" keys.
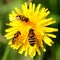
{"x": 31, "y": 37}
{"x": 14, "y": 39}
{"x": 22, "y": 18}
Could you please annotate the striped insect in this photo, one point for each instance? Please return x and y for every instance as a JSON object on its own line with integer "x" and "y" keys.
{"x": 31, "y": 37}
{"x": 14, "y": 39}
{"x": 22, "y": 18}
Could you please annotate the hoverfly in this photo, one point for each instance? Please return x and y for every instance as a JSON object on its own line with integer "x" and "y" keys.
{"x": 31, "y": 37}
{"x": 22, "y": 18}
{"x": 14, "y": 39}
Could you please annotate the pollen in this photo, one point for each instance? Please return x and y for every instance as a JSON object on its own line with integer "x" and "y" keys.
{"x": 29, "y": 29}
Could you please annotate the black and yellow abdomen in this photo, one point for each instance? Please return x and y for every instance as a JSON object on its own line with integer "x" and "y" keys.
{"x": 31, "y": 37}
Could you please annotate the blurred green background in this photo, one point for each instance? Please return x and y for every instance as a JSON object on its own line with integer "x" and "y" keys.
{"x": 7, "y": 53}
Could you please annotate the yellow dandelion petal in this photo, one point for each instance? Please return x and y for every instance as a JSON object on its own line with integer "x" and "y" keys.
{"x": 24, "y": 9}
{"x": 43, "y": 13}
{"x": 43, "y": 48}
{"x": 10, "y": 35}
{"x": 48, "y": 41}
{"x": 49, "y": 29}
{"x": 12, "y": 16}
{"x": 18, "y": 11}
{"x": 37, "y": 10}
{"x": 28, "y": 29}
{"x": 33, "y": 7}
{"x": 14, "y": 23}
{"x": 30, "y": 8}
{"x": 24, "y": 47}
{"x": 34, "y": 51}
{"x": 48, "y": 23}
{"x": 52, "y": 35}
{"x": 11, "y": 29}
{"x": 26, "y": 52}
{"x": 21, "y": 50}
{"x": 30, "y": 51}
{"x": 38, "y": 50}
{"x": 13, "y": 46}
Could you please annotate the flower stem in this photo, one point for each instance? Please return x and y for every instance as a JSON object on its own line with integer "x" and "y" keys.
{"x": 37, "y": 57}
{"x": 53, "y": 53}
{"x": 6, "y": 53}
{"x": 25, "y": 58}
{"x": 29, "y": 58}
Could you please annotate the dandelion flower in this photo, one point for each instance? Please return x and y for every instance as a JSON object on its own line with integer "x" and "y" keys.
{"x": 28, "y": 29}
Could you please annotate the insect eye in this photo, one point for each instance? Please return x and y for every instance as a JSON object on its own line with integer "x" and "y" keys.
{"x": 26, "y": 20}
{"x": 19, "y": 32}
{"x": 31, "y": 30}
